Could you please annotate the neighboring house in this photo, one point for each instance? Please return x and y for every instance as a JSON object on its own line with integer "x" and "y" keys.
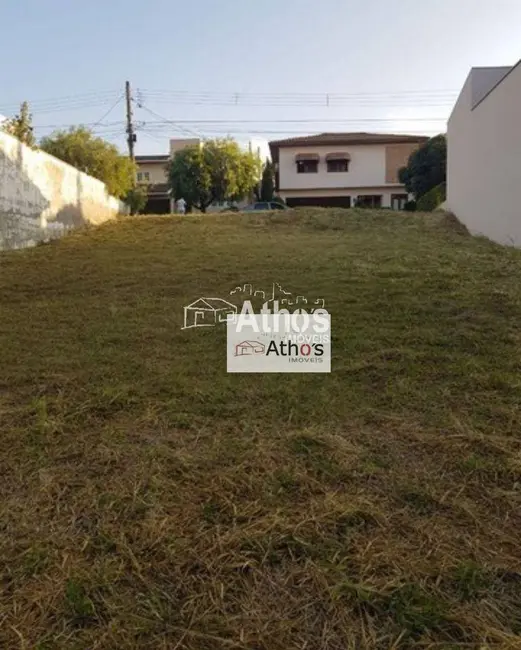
{"x": 343, "y": 169}
{"x": 152, "y": 172}
{"x": 207, "y": 312}
{"x": 484, "y": 154}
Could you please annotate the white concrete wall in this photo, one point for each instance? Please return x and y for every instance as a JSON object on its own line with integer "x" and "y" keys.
{"x": 42, "y": 197}
{"x": 366, "y": 168}
{"x": 484, "y": 160}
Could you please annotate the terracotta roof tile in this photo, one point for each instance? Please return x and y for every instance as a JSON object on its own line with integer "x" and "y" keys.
{"x": 325, "y": 139}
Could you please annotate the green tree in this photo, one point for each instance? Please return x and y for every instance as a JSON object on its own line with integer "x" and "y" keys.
{"x": 21, "y": 126}
{"x": 82, "y": 149}
{"x": 426, "y": 167}
{"x": 268, "y": 181}
{"x": 136, "y": 199}
{"x": 217, "y": 170}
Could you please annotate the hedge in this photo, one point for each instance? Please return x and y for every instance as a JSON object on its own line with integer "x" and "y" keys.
{"x": 433, "y": 198}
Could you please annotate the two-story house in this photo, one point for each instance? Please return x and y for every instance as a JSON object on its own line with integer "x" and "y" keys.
{"x": 343, "y": 169}
{"x": 152, "y": 173}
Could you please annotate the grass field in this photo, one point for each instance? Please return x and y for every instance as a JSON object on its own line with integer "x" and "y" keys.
{"x": 148, "y": 499}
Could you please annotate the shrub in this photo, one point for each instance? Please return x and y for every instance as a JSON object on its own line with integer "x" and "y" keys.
{"x": 136, "y": 199}
{"x": 410, "y": 206}
{"x": 433, "y": 198}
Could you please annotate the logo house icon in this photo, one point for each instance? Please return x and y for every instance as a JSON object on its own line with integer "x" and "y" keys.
{"x": 249, "y": 348}
{"x": 208, "y": 312}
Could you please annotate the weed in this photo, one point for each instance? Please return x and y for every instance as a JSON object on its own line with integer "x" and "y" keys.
{"x": 417, "y": 611}
{"x": 471, "y": 580}
{"x": 79, "y": 606}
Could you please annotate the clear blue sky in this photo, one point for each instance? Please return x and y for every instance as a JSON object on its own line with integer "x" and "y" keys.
{"x": 417, "y": 50}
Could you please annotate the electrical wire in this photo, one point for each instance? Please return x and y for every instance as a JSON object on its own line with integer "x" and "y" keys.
{"x": 87, "y": 124}
{"x": 180, "y": 128}
{"x": 232, "y": 132}
{"x": 422, "y": 97}
{"x": 65, "y": 100}
{"x": 105, "y": 115}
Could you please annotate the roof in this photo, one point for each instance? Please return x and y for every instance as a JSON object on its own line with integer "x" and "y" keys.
{"x": 324, "y": 139}
{"x": 153, "y": 159}
{"x": 211, "y": 304}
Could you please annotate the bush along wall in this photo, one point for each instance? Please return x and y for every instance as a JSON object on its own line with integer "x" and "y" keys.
{"x": 433, "y": 198}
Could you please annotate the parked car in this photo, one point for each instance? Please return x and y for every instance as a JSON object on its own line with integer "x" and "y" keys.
{"x": 265, "y": 205}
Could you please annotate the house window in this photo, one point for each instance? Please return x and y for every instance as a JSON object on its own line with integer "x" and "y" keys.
{"x": 338, "y": 165}
{"x": 369, "y": 201}
{"x": 398, "y": 201}
{"x": 307, "y": 166}
{"x": 143, "y": 177}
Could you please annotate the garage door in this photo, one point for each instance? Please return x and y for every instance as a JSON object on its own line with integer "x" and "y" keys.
{"x": 319, "y": 201}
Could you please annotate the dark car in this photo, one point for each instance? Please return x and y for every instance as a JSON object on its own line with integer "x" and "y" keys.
{"x": 265, "y": 205}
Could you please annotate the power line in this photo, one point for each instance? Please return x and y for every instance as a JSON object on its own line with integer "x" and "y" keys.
{"x": 197, "y": 135}
{"x": 69, "y": 124}
{"x": 300, "y": 104}
{"x": 300, "y": 95}
{"x": 152, "y": 137}
{"x": 67, "y": 99}
{"x": 231, "y": 132}
{"x": 232, "y": 121}
{"x": 105, "y": 115}
{"x": 424, "y": 97}
{"x": 317, "y": 120}
{"x": 435, "y": 97}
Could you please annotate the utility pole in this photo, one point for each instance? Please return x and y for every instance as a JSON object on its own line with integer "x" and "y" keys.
{"x": 130, "y": 127}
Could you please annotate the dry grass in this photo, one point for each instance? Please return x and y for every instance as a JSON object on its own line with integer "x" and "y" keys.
{"x": 150, "y": 500}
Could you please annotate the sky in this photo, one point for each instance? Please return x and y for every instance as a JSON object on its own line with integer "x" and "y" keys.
{"x": 250, "y": 69}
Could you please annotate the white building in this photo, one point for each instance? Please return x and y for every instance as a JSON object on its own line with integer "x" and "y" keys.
{"x": 343, "y": 169}
{"x": 484, "y": 154}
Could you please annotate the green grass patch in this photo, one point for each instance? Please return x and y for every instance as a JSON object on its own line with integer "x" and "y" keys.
{"x": 150, "y": 500}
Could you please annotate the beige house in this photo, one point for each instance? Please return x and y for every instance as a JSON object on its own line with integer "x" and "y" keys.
{"x": 484, "y": 154}
{"x": 343, "y": 169}
{"x": 152, "y": 173}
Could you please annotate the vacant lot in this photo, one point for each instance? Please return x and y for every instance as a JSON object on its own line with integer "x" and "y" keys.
{"x": 150, "y": 500}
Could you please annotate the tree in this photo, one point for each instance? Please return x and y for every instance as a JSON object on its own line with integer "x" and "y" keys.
{"x": 268, "y": 181}
{"x": 136, "y": 199}
{"x": 426, "y": 167}
{"x": 21, "y": 126}
{"x": 82, "y": 149}
{"x": 217, "y": 170}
